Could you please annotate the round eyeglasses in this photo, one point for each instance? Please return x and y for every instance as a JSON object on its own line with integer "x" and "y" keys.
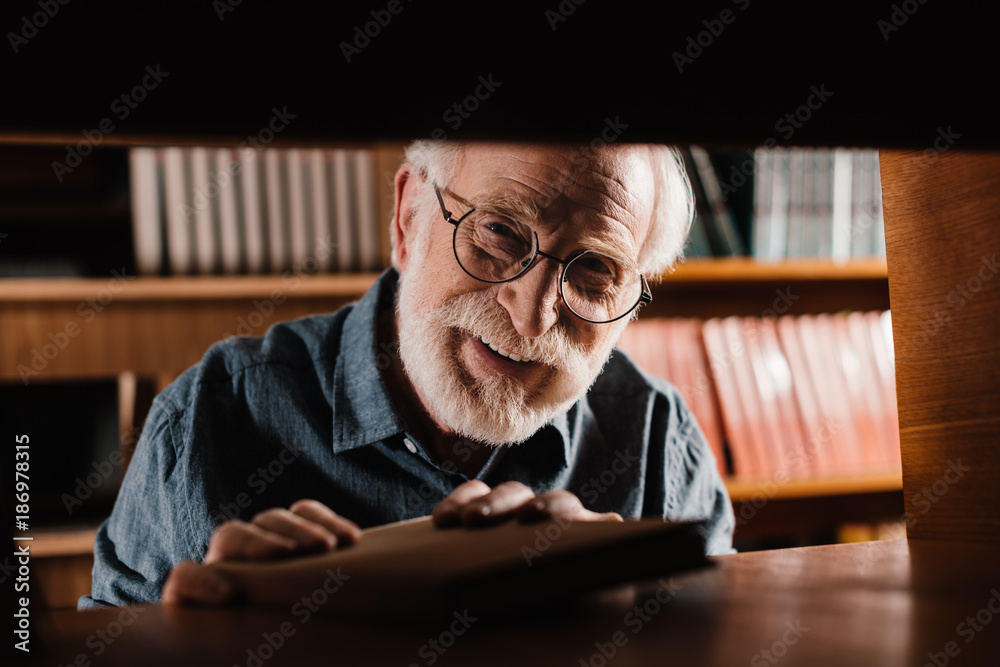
{"x": 494, "y": 248}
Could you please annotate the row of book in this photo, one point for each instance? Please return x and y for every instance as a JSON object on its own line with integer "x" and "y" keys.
{"x": 807, "y": 202}
{"x": 817, "y": 202}
{"x": 224, "y": 211}
{"x": 795, "y": 396}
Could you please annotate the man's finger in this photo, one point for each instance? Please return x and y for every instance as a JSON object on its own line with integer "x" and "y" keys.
{"x": 193, "y": 582}
{"x": 239, "y": 540}
{"x": 498, "y": 505}
{"x": 308, "y": 536}
{"x": 448, "y": 511}
{"x": 346, "y": 531}
{"x": 561, "y": 504}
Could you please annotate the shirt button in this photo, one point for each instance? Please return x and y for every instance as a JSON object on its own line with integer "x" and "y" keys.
{"x": 410, "y": 446}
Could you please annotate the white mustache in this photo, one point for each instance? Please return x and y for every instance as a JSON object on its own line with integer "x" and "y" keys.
{"x": 478, "y": 314}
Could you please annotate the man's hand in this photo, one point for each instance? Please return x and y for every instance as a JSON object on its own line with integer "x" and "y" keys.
{"x": 308, "y": 526}
{"x": 476, "y": 504}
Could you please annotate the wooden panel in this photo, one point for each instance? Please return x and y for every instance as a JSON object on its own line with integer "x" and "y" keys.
{"x": 50, "y": 340}
{"x": 942, "y": 222}
{"x": 749, "y": 489}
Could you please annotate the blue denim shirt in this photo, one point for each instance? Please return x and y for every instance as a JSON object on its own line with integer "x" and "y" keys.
{"x": 303, "y": 413}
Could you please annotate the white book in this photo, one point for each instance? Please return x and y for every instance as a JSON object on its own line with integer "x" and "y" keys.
{"x": 762, "y": 185}
{"x": 822, "y": 202}
{"x": 366, "y": 188}
{"x": 229, "y": 222}
{"x": 779, "y": 205}
{"x": 861, "y": 219}
{"x": 796, "y": 203}
{"x": 344, "y": 211}
{"x": 297, "y": 204}
{"x": 254, "y": 217}
{"x": 206, "y": 251}
{"x": 146, "y": 224}
{"x": 274, "y": 177}
{"x": 176, "y": 204}
{"x": 319, "y": 192}
{"x": 841, "y": 214}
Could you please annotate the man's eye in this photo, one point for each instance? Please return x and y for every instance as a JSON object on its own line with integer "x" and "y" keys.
{"x": 595, "y": 265}
{"x": 502, "y": 229}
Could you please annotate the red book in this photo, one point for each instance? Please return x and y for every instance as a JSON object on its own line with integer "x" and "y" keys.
{"x": 746, "y": 462}
{"x": 790, "y": 418}
{"x": 852, "y": 364}
{"x": 814, "y": 429}
{"x": 880, "y": 331}
{"x": 777, "y": 438}
{"x": 841, "y": 441}
{"x": 716, "y": 353}
{"x": 687, "y": 355}
{"x": 764, "y": 449}
{"x": 874, "y": 396}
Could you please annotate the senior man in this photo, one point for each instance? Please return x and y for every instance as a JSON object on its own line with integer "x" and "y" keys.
{"x": 475, "y": 381}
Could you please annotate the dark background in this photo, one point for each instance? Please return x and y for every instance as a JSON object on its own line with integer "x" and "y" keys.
{"x": 606, "y": 59}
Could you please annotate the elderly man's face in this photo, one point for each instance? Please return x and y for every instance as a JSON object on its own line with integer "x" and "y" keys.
{"x": 450, "y": 322}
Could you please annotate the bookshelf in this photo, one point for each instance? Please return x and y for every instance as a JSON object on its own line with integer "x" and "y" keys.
{"x": 171, "y": 321}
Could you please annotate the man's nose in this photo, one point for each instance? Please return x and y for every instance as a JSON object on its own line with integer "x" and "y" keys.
{"x": 533, "y": 300}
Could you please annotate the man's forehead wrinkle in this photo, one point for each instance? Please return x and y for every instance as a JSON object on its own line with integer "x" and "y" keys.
{"x": 500, "y": 202}
{"x": 598, "y": 199}
{"x": 606, "y": 189}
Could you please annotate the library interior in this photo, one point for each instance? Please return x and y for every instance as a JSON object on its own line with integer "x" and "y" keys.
{"x": 832, "y": 326}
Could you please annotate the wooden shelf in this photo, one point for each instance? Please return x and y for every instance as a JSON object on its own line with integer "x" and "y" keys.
{"x": 743, "y": 490}
{"x": 724, "y": 271}
{"x": 748, "y": 269}
{"x": 201, "y": 288}
{"x": 705, "y": 288}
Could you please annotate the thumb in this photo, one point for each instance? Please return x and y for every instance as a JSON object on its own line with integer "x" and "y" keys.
{"x": 194, "y": 582}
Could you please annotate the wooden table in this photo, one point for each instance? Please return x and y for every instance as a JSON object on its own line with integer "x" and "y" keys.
{"x": 877, "y": 603}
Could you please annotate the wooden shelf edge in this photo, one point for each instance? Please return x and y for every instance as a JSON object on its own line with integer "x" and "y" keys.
{"x": 194, "y": 288}
{"x": 743, "y": 490}
{"x": 63, "y": 541}
{"x": 704, "y": 271}
{"x": 748, "y": 269}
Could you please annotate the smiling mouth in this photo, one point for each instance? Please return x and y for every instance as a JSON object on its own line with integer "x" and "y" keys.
{"x": 509, "y": 356}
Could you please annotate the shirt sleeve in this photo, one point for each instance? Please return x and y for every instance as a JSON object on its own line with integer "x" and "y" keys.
{"x": 695, "y": 488}
{"x": 149, "y": 529}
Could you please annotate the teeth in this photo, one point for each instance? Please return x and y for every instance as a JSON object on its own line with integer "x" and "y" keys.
{"x": 505, "y": 353}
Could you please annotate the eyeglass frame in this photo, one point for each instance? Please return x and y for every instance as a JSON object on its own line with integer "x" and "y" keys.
{"x": 645, "y": 297}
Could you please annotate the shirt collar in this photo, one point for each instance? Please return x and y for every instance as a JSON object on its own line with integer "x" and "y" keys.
{"x": 362, "y": 411}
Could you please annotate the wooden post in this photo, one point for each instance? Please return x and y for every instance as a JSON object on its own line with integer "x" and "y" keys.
{"x": 942, "y": 228}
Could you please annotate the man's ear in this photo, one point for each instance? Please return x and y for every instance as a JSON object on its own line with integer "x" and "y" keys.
{"x": 404, "y": 233}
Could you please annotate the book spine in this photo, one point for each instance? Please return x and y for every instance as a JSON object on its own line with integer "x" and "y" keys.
{"x": 176, "y": 204}
{"x": 840, "y": 215}
{"x": 298, "y": 233}
{"x": 370, "y": 258}
{"x": 344, "y": 219}
{"x": 745, "y": 462}
{"x": 254, "y": 216}
{"x": 276, "y": 192}
{"x": 146, "y": 223}
{"x": 230, "y": 229}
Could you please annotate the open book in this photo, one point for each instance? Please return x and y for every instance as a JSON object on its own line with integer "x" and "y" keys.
{"x": 412, "y": 568}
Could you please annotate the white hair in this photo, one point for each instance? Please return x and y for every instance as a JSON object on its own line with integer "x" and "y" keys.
{"x": 673, "y": 201}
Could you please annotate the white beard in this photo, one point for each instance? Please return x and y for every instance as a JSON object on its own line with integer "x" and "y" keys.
{"x": 496, "y": 409}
